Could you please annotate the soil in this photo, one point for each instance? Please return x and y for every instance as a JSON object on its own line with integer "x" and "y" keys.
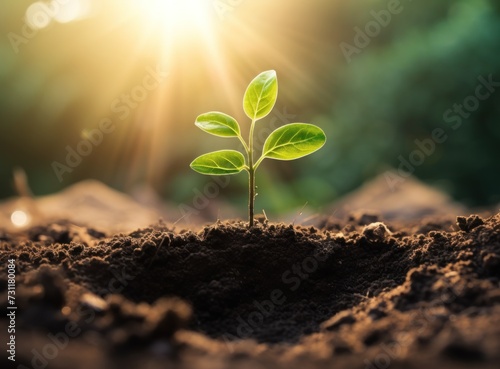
{"x": 358, "y": 292}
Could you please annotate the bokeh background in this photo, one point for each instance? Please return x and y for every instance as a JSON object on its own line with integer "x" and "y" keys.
{"x": 62, "y": 71}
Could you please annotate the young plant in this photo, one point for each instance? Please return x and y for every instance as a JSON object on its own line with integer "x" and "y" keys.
{"x": 289, "y": 142}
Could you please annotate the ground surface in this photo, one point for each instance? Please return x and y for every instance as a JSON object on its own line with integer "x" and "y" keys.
{"x": 350, "y": 293}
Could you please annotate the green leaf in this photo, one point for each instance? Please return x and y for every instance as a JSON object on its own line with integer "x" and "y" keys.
{"x": 261, "y": 95}
{"x": 218, "y": 124}
{"x": 219, "y": 163}
{"x": 293, "y": 141}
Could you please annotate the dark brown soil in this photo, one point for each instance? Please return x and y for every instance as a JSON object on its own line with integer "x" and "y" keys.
{"x": 353, "y": 293}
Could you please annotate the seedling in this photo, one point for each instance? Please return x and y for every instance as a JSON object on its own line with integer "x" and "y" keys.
{"x": 289, "y": 142}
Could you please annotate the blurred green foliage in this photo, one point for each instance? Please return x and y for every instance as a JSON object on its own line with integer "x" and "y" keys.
{"x": 396, "y": 90}
{"x": 427, "y": 60}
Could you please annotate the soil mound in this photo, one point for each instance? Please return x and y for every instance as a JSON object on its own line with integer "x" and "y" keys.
{"x": 348, "y": 288}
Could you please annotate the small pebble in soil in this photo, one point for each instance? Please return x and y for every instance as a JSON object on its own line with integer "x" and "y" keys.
{"x": 376, "y": 232}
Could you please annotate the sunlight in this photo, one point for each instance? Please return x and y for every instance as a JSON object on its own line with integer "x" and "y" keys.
{"x": 187, "y": 39}
{"x": 72, "y": 10}
{"x": 40, "y": 14}
{"x": 175, "y": 17}
{"x": 19, "y": 218}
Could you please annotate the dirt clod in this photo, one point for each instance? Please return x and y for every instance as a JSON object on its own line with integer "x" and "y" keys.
{"x": 467, "y": 224}
{"x": 376, "y": 231}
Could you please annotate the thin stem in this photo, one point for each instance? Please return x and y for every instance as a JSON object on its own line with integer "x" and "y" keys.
{"x": 251, "y": 177}
{"x": 251, "y": 196}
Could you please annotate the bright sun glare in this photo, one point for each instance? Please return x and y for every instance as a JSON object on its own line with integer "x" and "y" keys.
{"x": 20, "y": 218}
{"x": 176, "y": 17}
{"x": 189, "y": 40}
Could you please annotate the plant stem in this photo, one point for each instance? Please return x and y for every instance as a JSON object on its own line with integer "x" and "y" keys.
{"x": 251, "y": 177}
{"x": 251, "y": 196}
